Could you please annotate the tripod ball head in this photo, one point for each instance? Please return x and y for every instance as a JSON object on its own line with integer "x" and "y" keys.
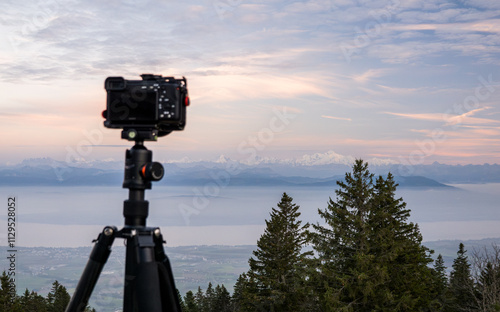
{"x": 140, "y": 170}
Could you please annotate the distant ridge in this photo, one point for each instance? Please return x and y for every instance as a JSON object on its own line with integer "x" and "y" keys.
{"x": 52, "y": 173}
{"x": 321, "y": 169}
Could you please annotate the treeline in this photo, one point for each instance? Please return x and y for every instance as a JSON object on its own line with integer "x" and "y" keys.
{"x": 56, "y": 301}
{"x": 365, "y": 255}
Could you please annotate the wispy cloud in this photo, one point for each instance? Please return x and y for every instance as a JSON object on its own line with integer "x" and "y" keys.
{"x": 450, "y": 120}
{"x": 370, "y": 74}
{"x": 428, "y": 117}
{"x": 466, "y": 118}
{"x": 491, "y": 26}
{"x": 336, "y": 118}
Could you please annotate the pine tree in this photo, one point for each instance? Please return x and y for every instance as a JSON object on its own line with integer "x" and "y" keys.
{"x": 6, "y": 292}
{"x": 396, "y": 245}
{"x": 181, "y": 302}
{"x": 277, "y": 268}
{"x": 213, "y": 300}
{"x": 370, "y": 257}
{"x": 488, "y": 288}
{"x": 342, "y": 244}
{"x": 243, "y": 294}
{"x": 32, "y": 302}
{"x": 485, "y": 268}
{"x": 56, "y": 301}
{"x": 440, "y": 284}
{"x": 440, "y": 270}
{"x": 209, "y": 298}
{"x": 200, "y": 300}
{"x": 58, "y": 298}
{"x": 190, "y": 302}
{"x": 461, "y": 286}
{"x": 222, "y": 302}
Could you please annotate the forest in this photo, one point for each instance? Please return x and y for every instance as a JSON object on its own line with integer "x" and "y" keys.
{"x": 364, "y": 255}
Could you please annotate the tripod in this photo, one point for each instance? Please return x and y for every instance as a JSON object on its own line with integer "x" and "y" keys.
{"x": 149, "y": 283}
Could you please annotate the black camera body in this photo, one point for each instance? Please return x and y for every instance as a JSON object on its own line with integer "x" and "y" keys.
{"x": 154, "y": 103}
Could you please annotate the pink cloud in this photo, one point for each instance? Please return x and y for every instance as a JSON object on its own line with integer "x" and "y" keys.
{"x": 336, "y": 118}
{"x": 450, "y": 120}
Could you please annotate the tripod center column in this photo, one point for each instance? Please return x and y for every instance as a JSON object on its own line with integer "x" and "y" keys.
{"x": 136, "y": 208}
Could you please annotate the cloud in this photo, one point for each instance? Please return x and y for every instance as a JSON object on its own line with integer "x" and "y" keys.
{"x": 370, "y": 74}
{"x": 413, "y": 40}
{"x": 465, "y": 118}
{"x": 484, "y": 4}
{"x": 231, "y": 87}
{"x": 66, "y": 38}
{"x": 495, "y": 132}
{"x": 337, "y": 118}
{"x": 490, "y": 25}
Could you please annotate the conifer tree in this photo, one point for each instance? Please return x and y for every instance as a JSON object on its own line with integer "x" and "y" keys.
{"x": 190, "y": 302}
{"x": 440, "y": 284}
{"x": 222, "y": 302}
{"x": 370, "y": 257}
{"x": 396, "y": 245}
{"x": 342, "y": 243}
{"x": 209, "y": 298}
{"x": 277, "y": 267}
{"x": 440, "y": 270}
{"x": 31, "y": 301}
{"x": 201, "y": 303}
{"x": 56, "y": 301}
{"x": 213, "y": 300}
{"x": 58, "y": 298}
{"x": 243, "y": 294}
{"x": 6, "y": 292}
{"x": 488, "y": 288}
{"x": 485, "y": 266}
{"x": 461, "y": 286}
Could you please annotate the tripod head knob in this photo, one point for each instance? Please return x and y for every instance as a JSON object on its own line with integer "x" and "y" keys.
{"x": 152, "y": 171}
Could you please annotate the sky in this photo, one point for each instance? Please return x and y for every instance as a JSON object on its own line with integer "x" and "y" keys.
{"x": 404, "y": 81}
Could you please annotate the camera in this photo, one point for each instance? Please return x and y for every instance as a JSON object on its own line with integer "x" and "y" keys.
{"x": 154, "y": 105}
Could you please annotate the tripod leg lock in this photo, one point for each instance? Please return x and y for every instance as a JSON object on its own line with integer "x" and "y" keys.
{"x": 102, "y": 248}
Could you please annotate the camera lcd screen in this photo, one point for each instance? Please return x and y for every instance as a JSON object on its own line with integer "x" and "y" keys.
{"x": 133, "y": 105}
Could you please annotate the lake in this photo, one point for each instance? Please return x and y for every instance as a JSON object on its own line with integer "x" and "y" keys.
{"x": 212, "y": 215}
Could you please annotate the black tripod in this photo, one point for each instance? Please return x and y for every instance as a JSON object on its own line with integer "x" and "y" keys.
{"x": 149, "y": 282}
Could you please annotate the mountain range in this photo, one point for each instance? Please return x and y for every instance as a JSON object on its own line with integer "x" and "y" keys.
{"x": 308, "y": 172}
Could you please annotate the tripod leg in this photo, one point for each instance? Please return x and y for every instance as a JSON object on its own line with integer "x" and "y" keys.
{"x": 90, "y": 275}
{"x": 149, "y": 284}
{"x": 168, "y": 289}
{"x": 142, "y": 291}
